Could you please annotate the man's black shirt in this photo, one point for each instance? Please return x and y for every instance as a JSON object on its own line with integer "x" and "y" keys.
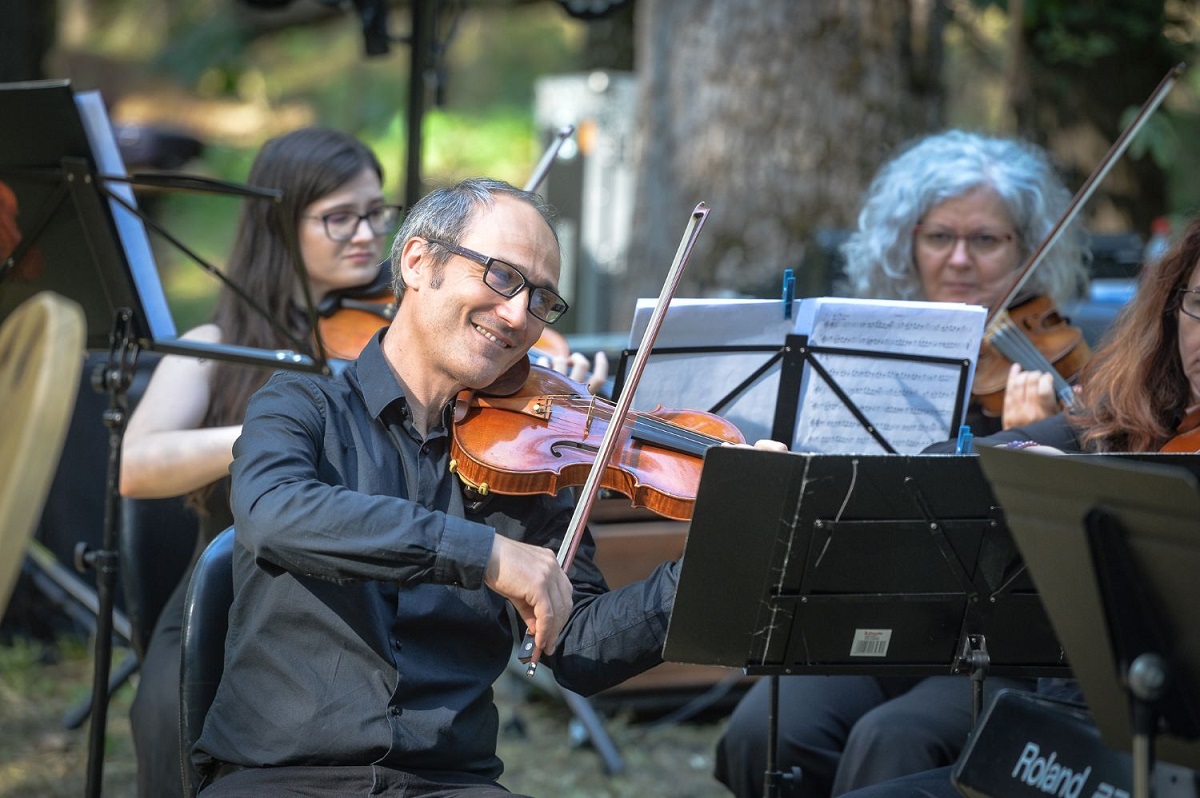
{"x": 361, "y": 632}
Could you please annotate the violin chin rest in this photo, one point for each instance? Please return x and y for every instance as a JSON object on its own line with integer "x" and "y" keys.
{"x": 510, "y": 381}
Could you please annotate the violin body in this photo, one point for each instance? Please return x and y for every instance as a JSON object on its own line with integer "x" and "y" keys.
{"x": 544, "y": 438}
{"x": 1184, "y": 443}
{"x": 346, "y": 320}
{"x": 1187, "y": 441}
{"x": 1043, "y": 338}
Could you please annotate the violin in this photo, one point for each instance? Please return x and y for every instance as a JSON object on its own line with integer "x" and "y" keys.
{"x": 347, "y": 319}
{"x": 1037, "y": 337}
{"x": 1187, "y": 441}
{"x": 545, "y": 436}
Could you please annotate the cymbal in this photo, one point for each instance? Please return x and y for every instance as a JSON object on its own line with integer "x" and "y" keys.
{"x": 41, "y": 357}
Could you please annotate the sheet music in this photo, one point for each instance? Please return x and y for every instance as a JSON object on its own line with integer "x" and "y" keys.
{"x": 697, "y": 381}
{"x": 910, "y": 402}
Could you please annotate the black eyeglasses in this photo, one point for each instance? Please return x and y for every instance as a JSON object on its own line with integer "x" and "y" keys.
{"x": 1189, "y": 302}
{"x": 342, "y": 225}
{"x": 507, "y": 281}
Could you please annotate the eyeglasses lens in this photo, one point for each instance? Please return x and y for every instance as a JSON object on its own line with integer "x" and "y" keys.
{"x": 1189, "y": 303}
{"x": 505, "y": 280}
{"x": 343, "y": 226}
{"x": 978, "y": 244}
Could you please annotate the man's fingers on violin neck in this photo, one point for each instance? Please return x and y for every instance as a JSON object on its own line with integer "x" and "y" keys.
{"x": 579, "y": 366}
{"x": 763, "y": 444}
{"x": 600, "y": 365}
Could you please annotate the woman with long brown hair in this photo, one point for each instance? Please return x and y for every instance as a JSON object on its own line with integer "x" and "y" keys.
{"x": 180, "y": 438}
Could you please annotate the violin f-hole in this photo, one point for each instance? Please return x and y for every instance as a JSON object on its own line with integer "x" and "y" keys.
{"x": 583, "y": 447}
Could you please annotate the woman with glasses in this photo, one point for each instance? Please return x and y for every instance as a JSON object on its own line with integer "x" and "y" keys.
{"x": 951, "y": 218}
{"x": 1140, "y": 392}
{"x": 180, "y": 438}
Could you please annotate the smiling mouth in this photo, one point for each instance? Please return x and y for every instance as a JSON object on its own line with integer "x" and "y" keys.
{"x": 491, "y": 337}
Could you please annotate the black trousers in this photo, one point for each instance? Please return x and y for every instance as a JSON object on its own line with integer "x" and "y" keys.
{"x": 154, "y": 716}
{"x": 336, "y": 782}
{"x": 841, "y": 733}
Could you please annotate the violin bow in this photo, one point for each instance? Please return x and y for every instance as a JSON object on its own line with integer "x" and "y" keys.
{"x": 529, "y": 653}
{"x": 548, "y": 157}
{"x": 1089, "y": 186}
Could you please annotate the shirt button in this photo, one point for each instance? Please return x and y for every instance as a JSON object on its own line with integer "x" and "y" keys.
{"x": 394, "y": 711}
{"x": 425, "y": 448}
{"x": 397, "y": 645}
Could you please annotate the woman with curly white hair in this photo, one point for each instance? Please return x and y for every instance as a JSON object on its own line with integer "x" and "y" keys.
{"x": 952, "y": 218}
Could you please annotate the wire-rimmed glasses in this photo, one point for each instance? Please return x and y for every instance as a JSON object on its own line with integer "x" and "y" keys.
{"x": 981, "y": 243}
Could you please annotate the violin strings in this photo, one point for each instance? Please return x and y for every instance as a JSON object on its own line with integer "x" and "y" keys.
{"x": 1017, "y": 347}
{"x": 685, "y": 437}
{"x": 667, "y": 429}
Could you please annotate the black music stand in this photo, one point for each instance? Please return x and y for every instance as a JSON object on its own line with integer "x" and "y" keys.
{"x": 69, "y": 224}
{"x": 1113, "y": 545}
{"x": 879, "y": 564}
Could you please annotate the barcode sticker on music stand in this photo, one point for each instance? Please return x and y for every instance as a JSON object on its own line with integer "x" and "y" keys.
{"x": 871, "y": 642}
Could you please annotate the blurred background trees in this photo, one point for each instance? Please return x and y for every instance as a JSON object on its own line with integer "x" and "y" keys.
{"x": 775, "y": 112}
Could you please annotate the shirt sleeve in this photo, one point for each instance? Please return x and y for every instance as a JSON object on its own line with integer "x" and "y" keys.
{"x": 291, "y": 513}
{"x": 612, "y": 635}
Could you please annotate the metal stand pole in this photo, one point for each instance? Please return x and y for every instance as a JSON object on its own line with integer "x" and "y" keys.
{"x": 114, "y": 378}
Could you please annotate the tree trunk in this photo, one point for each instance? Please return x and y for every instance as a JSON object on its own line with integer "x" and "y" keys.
{"x": 776, "y": 113}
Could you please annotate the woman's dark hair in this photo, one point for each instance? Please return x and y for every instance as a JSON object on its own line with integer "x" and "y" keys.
{"x": 305, "y": 165}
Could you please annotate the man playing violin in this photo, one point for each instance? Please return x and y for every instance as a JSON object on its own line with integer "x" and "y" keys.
{"x": 370, "y": 615}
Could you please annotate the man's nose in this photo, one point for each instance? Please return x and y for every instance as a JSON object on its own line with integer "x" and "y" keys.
{"x": 515, "y": 309}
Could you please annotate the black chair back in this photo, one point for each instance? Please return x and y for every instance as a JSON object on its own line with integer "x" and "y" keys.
{"x": 157, "y": 540}
{"x": 202, "y": 659}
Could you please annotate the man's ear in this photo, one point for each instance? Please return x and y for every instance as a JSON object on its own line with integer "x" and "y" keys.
{"x": 413, "y": 263}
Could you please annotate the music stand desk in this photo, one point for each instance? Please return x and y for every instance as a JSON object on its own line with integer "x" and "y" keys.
{"x": 1050, "y": 502}
{"x": 812, "y": 563}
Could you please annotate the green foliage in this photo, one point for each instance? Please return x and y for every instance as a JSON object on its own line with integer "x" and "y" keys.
{"x": 497, "y": 54}
{"x": 1168, "y": 139}
{"x": 1080, "y": 32}
{"x": 500, "y": 144}
{"x": 215, "y": 45}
